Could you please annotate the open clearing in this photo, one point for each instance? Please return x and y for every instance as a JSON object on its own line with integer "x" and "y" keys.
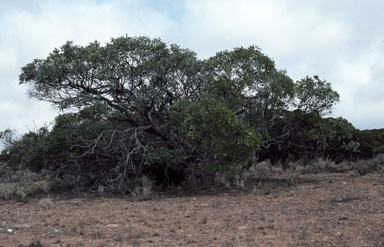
{"x": 286, "y": 210}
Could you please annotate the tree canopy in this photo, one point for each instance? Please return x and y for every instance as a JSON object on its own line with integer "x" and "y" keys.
{"x": 141, "y": 106}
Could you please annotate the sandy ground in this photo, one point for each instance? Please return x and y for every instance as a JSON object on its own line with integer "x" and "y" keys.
{"x": 308, "y": 210}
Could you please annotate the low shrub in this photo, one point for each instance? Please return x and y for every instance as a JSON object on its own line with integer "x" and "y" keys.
{"x": 342, "y": 167}
{"x": 6, "y": 191}
{"x": 144, "y": 190}
{"x": 319, "y": 166}
{"x": 378, "y": 161}
{"x": 45, "y": 203}
{"x": 261, "y": 170}
{"x": 370, "y": 165}
{"x": 305, "y": 169}
{"x": 234, "y": 177}
{"x": 5, "y": 172}
{"x": 364, "y": 166}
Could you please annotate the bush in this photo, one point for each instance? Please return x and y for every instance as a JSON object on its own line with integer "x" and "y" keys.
{"x": 307, "y": 169}
{"x": 218, "y": 137}
{"x": 379, "y": 161}
{"x": 45, "y": 203}
{"x": 5, "y": 172}
{"x": 261, "y": 170}
{"x": 364, "y": 166}
{"x": 144, "y": 190}
{"x": 6, "y": 191}
{"x": 234, "y": 177}
{"x": 320, "y": 165}
{"x": 342, "y": 167}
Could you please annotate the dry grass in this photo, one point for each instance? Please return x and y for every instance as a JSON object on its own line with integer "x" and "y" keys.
{"x": 316, "y": 210}
{"x": 45, "y": 203}
{"x": 144, "y": 190}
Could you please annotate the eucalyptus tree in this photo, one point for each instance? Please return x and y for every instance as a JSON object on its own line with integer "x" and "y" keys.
{"x": 267, "y": 98}
{"x": 130, "y": 82}
{"x": 138, "y": 106}
{"x": 247, "y": 81}
{"x": 313, "y": 99}
{"x": 136, "y": 94}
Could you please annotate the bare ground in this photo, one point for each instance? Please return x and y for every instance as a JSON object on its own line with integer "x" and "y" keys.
{"x": 308, "y": 210}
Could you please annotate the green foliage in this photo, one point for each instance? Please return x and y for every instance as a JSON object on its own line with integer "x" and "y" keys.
{"x": 371, "y": 142}
{"x": 25, "y": 151}
{"x": 379, "y": 150}
{"x": 219, "y": 137}
{"x": 313, "y": 95}
{"x": 124, "y": 91}
{"x": 128, "y": 75}
{"x": 366, "y": 139}
{"x": 334, "y": 134}
{"x": 146, "y": 108}
{"x": 247, "y": 81}
{"x": 50, "y": 149}
{"x": 379, "y": 145}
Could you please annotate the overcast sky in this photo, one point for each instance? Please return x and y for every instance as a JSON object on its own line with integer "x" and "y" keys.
{"x": 342, "y": 41}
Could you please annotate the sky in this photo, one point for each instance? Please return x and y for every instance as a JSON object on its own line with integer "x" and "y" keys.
{"x": 341, "y": 41}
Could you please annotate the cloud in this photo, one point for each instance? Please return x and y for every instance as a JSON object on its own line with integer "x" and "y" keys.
{"x": 342, "y": 43}
{"x": 33, "y": 30}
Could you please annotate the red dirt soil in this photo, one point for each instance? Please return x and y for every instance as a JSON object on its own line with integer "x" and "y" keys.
{"x": 287, "y": 210}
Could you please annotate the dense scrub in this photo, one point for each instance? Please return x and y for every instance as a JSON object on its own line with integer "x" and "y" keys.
{"x": 138, "y": 109}
{"x": 24, "y": 185}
